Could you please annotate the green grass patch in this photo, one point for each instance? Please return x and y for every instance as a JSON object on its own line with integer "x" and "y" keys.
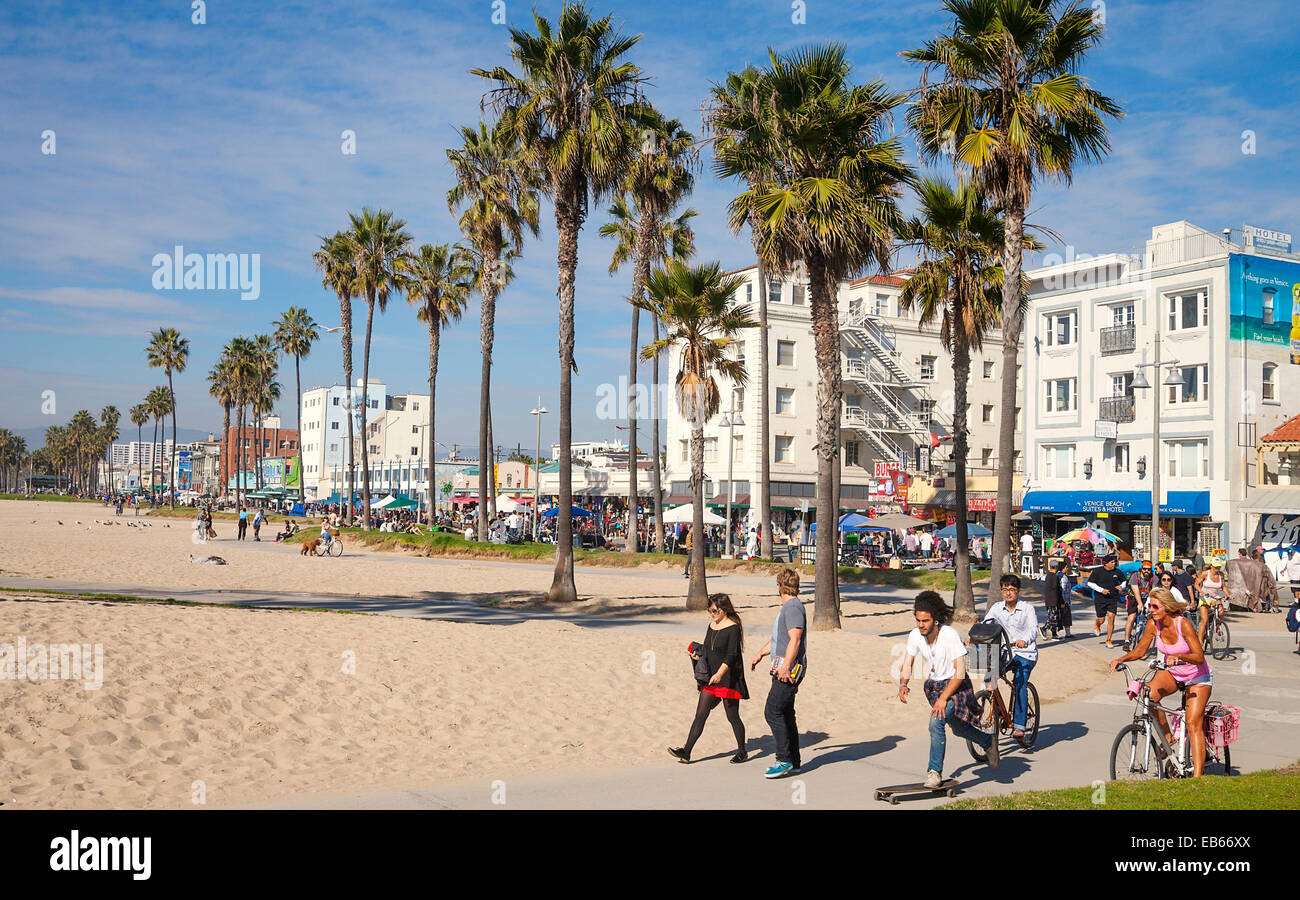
{"x": 1268, "y": 789}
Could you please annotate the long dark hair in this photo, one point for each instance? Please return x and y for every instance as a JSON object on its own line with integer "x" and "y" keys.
{"x": 723, "y": 602}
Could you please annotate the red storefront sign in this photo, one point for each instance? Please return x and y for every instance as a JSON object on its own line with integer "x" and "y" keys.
{"x": 885, "y": 469}
{"x": 982, "y": 504}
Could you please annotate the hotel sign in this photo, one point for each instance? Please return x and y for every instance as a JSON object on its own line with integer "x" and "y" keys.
{"x": 1266, "y": 238}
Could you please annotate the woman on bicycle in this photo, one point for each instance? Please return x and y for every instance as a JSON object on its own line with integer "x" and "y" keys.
{"x": 1213, "y": 588}
{"x": 1187, "y": 669}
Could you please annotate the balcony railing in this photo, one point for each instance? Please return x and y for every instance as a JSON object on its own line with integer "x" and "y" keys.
{"x": 1118, "y": 339}
{"x": 1117, "y": 409}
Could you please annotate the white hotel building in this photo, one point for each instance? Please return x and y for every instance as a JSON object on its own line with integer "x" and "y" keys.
{"x": 324, "y": 434}
{"x": 898, "y": 391}
{"x": 1224, "y": 312}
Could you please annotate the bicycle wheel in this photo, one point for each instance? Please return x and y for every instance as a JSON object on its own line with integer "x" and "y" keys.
{"x": 1133, "y": 756}
{"x": 1218, "y": 638}
{"x": 988, "y": 712}
{"x": 1031, "y": 717}
{"x": 336, "y": 547}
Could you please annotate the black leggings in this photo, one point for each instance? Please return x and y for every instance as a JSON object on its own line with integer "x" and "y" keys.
{"x": 708, "y": 702}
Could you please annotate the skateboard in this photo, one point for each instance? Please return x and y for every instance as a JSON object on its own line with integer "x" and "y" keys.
{"x": 894, "y": 791}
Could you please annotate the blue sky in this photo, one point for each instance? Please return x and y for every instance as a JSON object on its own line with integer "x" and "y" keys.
{"x": 225, "y": 137}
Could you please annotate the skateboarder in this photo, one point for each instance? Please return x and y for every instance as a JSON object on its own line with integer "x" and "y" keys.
{"x": 947, "y": 688}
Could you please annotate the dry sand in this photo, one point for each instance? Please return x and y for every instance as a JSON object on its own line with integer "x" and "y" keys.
{"x": 260, "y": 704}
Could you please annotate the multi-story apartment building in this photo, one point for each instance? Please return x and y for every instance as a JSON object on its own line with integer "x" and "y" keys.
{"x": 325, "y": 450}
{"x": 896, "y": 410}
{"x": 139, "y": 453}
{"x": 271, "y": 442}
{"x": 1221, "y": 315}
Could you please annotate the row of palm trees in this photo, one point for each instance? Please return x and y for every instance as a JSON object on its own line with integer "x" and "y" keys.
{"x": 71, "y": 452}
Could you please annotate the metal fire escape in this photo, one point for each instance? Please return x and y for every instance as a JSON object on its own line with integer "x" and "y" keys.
{"x": 892, "y": 425}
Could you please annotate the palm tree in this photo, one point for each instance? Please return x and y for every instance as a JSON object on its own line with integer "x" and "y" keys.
{"x": 264, "y": 392}
{"x": 499, "y": 195}
{"x": 221, "y": 386}
{"x": 567, "y": 110}
{"x": 169, "y": 351}
{"x": 669, "y": 239}
{"x": 376, "y": 242}
{"x": 158, "y": 401}
{"x": 656, "y": 179}
{"x": 340, "y": 275}
{"x": 1009, "y": 102}
{"x": 109, "y": 417}
{"x": 241, "y": 369}
{"x": 741, "y": 149}
{"x": 139, "y": 418}
{"x": 831, "y": 206}
{"x": 437, "y": 284}
{"x": 695, "y": 306}
{"x": 956, "y": 281}
{"x": 295, "y": 332}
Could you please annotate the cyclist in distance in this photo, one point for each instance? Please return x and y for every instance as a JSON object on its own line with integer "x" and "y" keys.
{"x": 1188, "y": 670}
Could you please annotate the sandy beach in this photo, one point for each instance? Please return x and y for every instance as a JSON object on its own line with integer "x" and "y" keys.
{"x": 244, "y": 705}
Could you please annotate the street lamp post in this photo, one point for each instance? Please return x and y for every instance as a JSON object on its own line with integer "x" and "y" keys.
{"x": 1140, "y": 383}
{"x": 731, "y": 419}
{"x": 537, "y": 462}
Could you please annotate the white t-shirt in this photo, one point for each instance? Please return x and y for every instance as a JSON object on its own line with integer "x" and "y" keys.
{"x": 1293, "y": 568}
{"x": 940, "y": 655}
{"x": 1027, "y": 543}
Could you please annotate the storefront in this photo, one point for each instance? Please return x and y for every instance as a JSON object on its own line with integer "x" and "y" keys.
{"x": 1184, "y": 518}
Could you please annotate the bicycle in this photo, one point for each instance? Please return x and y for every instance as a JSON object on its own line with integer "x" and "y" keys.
{"x": 331, "y": 544}
{"x": 994, "y": 716}
{"x": 1216, "y": 632}
{"x": 1140, "y": 750}
{"x": 1139, "y": 626}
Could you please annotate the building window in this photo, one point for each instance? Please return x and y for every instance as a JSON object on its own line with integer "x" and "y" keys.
{"x": 784, "y": 449}
{"x": 988, "y": 371}
{"x": 681, "y": 487}
{"x": 1122, "y": 458}
{"x": 785, "y": 401}
{"x": 374, "y": 448}
{"x": 774, "y": 292}
{"x": 1058, "y": 461}
{"x": 785, "y": 353}
{"x": 334, "y": 426}
{"x": 1270, "y": 381}
{"x": 798, "y": 296}
{"x": 1188, "y": 459}
{"x": 1195, "y": 387}
{"x": 881, "y": 304}
{"x": 1121, "y": 385}
{"x": 851, "y": 453}
{"x": 686, "y": 450}
{"x": 924, "y": 412}
{"x": 988, "y": 412}
{"x": 415, "y": 451}
{"x": 1060, "y": 395}
{"x": 711, "y": 450}
{"x": 927, "y": 368}
{"x": 986, "y": 457}
{"x": 1062, "y": 328}
{"x": 738, "y": 448}
{"x": 1124, "y": 314}
{"x": 738, "y": 400}
{"x": 334, "y": 448}
{"x": 336, "y": 401}
{"x": 1190, "y": 310}
{"x": 415, "y": 406}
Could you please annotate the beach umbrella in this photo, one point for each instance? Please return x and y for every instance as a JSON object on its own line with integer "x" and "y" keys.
{"x": 900, "y": 522}
{"x": 685, "y": 515}
{"x": 973, "y": 529}
{"x": 509, "y": 504}
{"x": 1092, "y": 535}
{"x": 555, "y": 511}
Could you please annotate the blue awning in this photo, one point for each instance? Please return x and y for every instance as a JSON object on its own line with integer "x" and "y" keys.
{"x": 1137, "y": 503}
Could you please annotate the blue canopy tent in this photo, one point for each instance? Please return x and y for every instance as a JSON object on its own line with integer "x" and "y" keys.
{"x": 555, "y": 511}
{"x": 853, "y": 522}
{"x": 973, "y": 529}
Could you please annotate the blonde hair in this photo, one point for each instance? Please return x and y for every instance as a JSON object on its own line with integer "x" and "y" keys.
{"x": 788, "y": 582}
{"x": 1166, "y": 598}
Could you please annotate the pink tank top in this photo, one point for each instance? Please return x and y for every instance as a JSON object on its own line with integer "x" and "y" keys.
{"x": 1183, "y": 671}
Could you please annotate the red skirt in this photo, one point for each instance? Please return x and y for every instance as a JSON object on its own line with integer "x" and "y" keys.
{"x": 724, "y": 693}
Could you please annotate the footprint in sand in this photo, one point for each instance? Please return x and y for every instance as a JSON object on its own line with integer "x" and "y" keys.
{"x": 101, "y": 738}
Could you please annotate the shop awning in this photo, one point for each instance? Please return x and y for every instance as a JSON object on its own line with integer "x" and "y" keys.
{"x": 1272, "y": 500}
{"x": 1177, "y": 503}
{"x": 740, "y": 500}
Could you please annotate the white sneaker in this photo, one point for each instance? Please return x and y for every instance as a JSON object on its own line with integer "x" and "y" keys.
{"x": 933, "y": 779}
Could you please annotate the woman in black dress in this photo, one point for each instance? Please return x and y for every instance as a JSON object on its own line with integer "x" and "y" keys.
{"x": 724, "y": 646}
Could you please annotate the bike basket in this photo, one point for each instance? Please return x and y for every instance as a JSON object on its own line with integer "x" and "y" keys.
{"x": 1221, "y": 724}
{"x": 985, "y": 649}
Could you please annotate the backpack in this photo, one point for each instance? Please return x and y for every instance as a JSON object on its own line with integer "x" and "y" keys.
{"x": 1293, "y": 618}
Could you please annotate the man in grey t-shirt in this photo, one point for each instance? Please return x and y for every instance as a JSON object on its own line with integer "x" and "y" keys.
{"x": 789, "y": 658}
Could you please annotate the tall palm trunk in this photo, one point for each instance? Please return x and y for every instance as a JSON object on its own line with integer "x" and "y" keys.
{"x": 697, "y": 595}
{"x": 153, "y": 453}
{"x": 963, "y": 592}
{"x": 567, "y": 212}
{"x": 239, "y": 451}
{"x": 640, "y": 273}
{"x": 365, "y": 412}
{"x": 172, "y": 465}
{"x": 656, "y": 489}
{"x": 345, "y": 308}
{"x": 139, "y": 467}
{"x": 435, "y": 338}
{"x": 492, "y": 455}
{"x": 763, "y": 494}
{"x": 1013, "y": 241}
{"x": 826, "y": 616}
{"x": 225, "y": 439}
{"x": 487, "y": 324}
{"x": 297, "y": 377}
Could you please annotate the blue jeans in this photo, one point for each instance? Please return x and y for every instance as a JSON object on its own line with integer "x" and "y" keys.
{"x": 939, "y": 736}
{"x": 1020, "y": 668}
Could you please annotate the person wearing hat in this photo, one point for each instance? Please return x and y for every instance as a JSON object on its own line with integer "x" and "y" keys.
{"x": 1212, "y": 588}
{"x": 1139, "y": 589}
{"x": 1108, "y": 584}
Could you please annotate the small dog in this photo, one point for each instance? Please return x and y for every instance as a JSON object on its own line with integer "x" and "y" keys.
{"x": 309, "y": 547}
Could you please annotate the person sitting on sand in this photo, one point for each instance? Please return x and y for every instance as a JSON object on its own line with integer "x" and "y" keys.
{"x": 290, "y": 530}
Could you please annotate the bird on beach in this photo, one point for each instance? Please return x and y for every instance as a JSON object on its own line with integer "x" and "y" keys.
{"x": 59, "y": 522}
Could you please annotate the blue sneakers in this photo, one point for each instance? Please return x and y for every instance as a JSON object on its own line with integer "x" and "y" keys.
{"x": 780, "y": 770}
